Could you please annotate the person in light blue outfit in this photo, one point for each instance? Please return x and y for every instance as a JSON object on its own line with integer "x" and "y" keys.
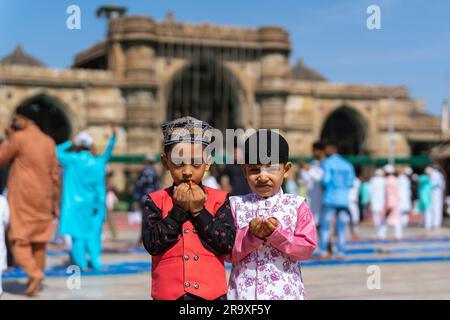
{"x": 425, "y": 195}
{"x": 83, "y": 205}
{"x": 338, "y": 177}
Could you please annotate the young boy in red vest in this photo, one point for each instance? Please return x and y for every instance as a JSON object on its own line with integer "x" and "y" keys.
{"x": 188, "y": 228}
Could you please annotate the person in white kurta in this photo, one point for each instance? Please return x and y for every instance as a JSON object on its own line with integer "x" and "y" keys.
{"x": 313, "y": 175}
{"x": 353, "y": 200}
{"x": 377, "y": 187}
{"x": 438, "y": 187}
{"x": 404, "y": 195}
{"x": 4, "y": 219}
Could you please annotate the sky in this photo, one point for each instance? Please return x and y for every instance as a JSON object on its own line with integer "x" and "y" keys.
{"x": 412, "y": 47}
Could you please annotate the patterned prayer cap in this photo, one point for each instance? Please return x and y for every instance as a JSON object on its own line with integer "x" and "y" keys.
{"x": 187, "y": 129}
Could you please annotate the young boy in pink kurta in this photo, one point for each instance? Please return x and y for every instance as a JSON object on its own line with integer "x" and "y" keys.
{"x": 275, "y": 230}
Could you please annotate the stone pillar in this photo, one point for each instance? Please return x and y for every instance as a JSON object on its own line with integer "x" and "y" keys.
{"x": 116, "y": 58}
{"x": 275, "y": 70}
{"x": 133, "y": 49}
{"x": 143, "y": 134}
{"x": 140, "y": 61}
{"x": 272, "y": 111}
{"x": 132, "y": 41}
{"x": 275, "y": 46}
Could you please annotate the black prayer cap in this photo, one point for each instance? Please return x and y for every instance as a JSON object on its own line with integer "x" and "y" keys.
{"x": 31, "y": 111}
{"x": 186, "y": 129}
{"x": 266, "y": 147}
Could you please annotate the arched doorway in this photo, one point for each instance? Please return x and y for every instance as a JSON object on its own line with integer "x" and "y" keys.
{"x": 51, "y": 119}
{"x": 346, "y": 127}
{"x": 206, "y": 90}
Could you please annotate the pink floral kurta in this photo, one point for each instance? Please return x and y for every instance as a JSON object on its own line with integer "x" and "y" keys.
{"x": 269, "y": 269}
{"x": 392, "y": 201}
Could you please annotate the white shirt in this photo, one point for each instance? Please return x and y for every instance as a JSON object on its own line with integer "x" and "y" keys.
{"x": 4, "y": 220}
{"x": 313, "y": 177}
{"x": 437, "y": 180}
{"x": 377, "y": 187}
{"x": 353, "y": 195}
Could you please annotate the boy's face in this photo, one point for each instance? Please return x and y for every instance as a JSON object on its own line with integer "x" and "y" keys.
{"x": 186, "y": 163}
{"x": 266, "y": 180}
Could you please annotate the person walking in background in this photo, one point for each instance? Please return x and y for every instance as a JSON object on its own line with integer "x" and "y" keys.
{"x": 424, "y": 204}
{"x": 84, "y": 197}
{"x": 437, "y": 181}
{"x": 301, "y": 180}
{"x": 391, "y": 214}
{"x": 4, "y": 220}
{"x": 312, "y": 173}
{"x": 148, "y": 182}
{"x": 353, "y": 199}
{"x": 337, "y": 180}
{"x": 3, "y": 175}
{"x": 33, "y": 163}
{"x": 377, "y": 187}
{"x": 101, "y": 170}
{"x": 364, "y": 198}
{"x": 404, "y": 195}
{"x": 3, "y": 181}
{"x": 111, "y": 201}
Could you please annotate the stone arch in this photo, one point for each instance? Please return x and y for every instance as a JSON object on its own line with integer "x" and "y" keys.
{"x": 178, "y": 73}
{"x": 347, "y": 127}
{"x": 54, "y": 117}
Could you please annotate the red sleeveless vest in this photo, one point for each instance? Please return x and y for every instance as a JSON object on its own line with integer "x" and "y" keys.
{"x": 187, "y": 267}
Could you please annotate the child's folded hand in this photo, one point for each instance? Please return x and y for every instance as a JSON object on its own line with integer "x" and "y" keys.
{"x": 262, "y": 228}
{"x": 197, "y": 198}
{"x": 181, "y": 196}
{"x": 255, "y": 226}
{"x": 270, "y": 225}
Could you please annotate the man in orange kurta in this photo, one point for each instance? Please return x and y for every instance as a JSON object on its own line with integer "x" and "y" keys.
{"x": 33, "y": 193}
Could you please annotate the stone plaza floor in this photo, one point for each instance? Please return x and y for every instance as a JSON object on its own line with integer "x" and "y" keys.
{"x": 417, "y": 267}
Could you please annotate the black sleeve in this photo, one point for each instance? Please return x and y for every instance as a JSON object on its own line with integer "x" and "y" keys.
{"x": 216, "y": 233}
{"x": 159, "y": 234}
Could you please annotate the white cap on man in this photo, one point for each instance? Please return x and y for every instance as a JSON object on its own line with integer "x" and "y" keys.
{"x": 84, "y": 140}
{"x": 150, "y": 157}
{"x": 389, "y": 169}
{"x": 408, "y": 171}
{"x": 429, "y": 170}
{"x": 379, "y": 172}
